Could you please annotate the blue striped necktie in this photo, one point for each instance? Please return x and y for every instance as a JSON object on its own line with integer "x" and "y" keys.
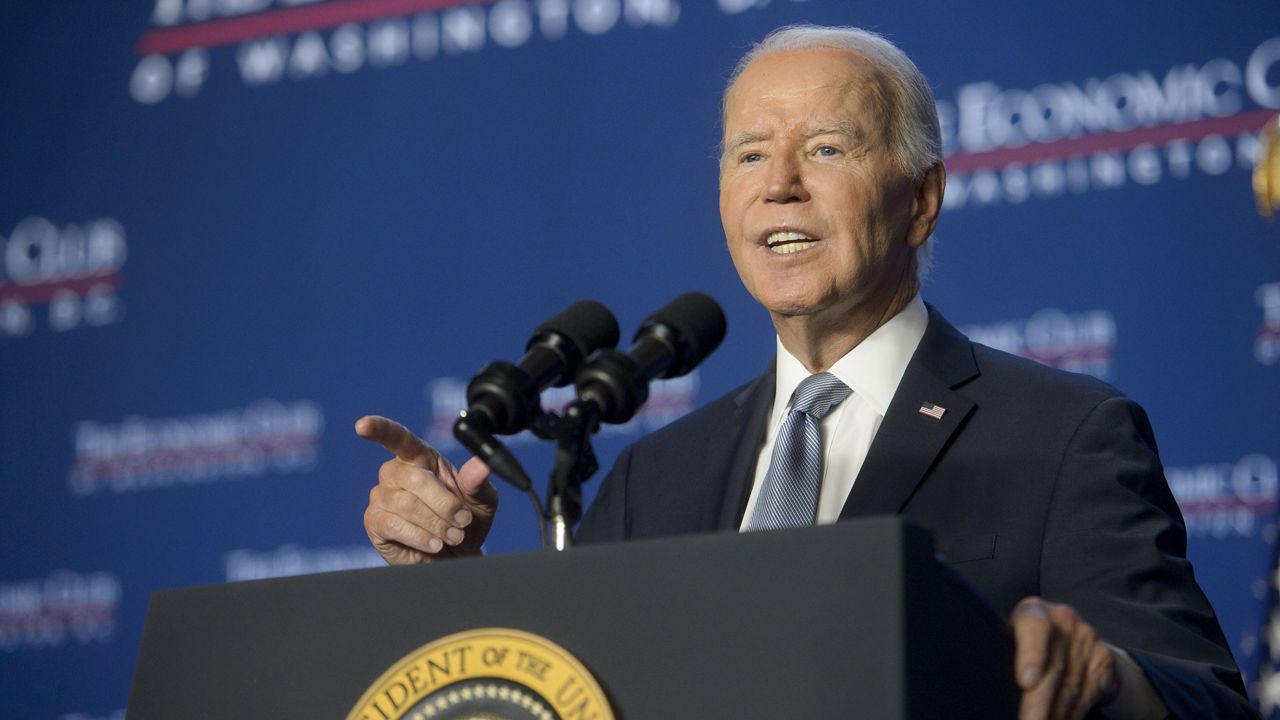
{"x": 789, "y": 497}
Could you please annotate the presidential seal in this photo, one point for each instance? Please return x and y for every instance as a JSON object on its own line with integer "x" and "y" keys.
{"x": 485, "y": 674}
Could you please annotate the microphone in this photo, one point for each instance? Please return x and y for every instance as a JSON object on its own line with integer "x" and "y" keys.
{"x": 669, "y": 343}
{"x": 503, "y": 398}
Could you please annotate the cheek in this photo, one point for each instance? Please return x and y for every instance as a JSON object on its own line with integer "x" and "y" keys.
{"x": 735, "y": 199}
{"x": 728, "y": 215}
{"x": 739, "y": 256}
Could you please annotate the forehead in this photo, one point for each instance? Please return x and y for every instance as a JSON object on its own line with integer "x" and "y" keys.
{"x": 795, "y": 86}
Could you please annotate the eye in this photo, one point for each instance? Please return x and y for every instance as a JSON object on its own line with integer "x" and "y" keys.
{"x": 827, "y": 151}
{"x": 751, "y": 157}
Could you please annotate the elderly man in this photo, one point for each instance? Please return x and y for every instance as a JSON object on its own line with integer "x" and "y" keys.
{"x": 1036, "y": 483}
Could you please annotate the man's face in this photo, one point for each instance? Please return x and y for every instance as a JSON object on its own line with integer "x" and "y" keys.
{"x": 817, "y": 214}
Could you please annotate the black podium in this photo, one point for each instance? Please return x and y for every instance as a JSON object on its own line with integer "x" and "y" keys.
{"x": 854, "y": 620}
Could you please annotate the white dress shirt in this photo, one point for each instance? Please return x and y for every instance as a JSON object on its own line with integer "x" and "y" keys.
{"x": 872, "y": 370}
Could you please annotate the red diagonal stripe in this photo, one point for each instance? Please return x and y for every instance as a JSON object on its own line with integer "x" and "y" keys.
{"x": 285, "y": 21}
{"x": 44, "y": 292}
{"x": 1252, "y": 121}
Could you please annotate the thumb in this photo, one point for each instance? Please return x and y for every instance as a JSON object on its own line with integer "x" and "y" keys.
{"x": 1033, "y": 635}
{"x": 473, "y": 483}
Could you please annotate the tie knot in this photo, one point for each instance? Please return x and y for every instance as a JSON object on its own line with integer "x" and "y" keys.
{"x": 817, "y": 394}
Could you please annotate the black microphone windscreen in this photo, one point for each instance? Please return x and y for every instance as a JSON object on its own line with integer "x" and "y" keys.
{"x": 698, "y": 324}
{"x": 586, "y": 324}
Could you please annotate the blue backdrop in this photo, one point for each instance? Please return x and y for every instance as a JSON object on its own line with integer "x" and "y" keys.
{"x": 228, "y": 228}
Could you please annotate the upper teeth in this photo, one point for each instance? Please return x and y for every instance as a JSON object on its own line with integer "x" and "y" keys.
{"x": 787, "y": 236}
{"x": 789, "y": 241}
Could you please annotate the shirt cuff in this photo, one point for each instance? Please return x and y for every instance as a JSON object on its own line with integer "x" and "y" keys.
{"x": 1137, "y": 699}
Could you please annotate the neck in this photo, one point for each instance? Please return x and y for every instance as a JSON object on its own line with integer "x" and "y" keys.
{"x": 820, "y": 339}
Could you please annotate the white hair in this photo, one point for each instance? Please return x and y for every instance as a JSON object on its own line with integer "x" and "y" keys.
{"x": 911, "y": 116}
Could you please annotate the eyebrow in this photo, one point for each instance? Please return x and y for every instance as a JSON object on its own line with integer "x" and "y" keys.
{"x": 848, "y": 128}
{"x": 740, "y": 139}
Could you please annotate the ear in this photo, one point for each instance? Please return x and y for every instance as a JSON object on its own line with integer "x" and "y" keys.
{"x": 926, "y": 205}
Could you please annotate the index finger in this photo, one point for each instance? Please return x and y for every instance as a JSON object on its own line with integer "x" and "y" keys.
{"x": 397, "y": 439}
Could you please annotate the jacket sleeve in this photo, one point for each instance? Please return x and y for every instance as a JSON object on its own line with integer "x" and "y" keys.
{"x": 1115, "y": 550}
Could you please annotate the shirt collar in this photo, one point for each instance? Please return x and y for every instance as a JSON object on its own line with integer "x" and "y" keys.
{"x": 872, "y": 369}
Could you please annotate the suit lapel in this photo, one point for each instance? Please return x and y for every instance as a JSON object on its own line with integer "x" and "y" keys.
{"x": 749, "y": 418}
{"x": 909, "y": 441}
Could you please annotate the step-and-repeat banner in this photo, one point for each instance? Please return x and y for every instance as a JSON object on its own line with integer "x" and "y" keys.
{"x": 229, "y": 228}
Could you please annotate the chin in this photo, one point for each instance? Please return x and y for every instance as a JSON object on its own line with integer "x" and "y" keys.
{"x": 790, "y": 307}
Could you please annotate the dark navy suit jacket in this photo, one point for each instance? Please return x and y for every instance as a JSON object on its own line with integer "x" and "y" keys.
{"x": 1035, "y": 481}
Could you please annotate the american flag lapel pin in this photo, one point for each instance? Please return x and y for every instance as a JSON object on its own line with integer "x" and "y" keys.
{"x": 934, "y": 411}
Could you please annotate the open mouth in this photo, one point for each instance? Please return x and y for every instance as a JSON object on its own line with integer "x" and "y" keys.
{"x": 785, "y": 242}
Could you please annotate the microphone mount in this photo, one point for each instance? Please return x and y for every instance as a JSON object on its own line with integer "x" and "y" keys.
{"x": 577, "y": 346}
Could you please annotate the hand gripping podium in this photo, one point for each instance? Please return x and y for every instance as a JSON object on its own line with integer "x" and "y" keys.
{"x": 852, "y": 620}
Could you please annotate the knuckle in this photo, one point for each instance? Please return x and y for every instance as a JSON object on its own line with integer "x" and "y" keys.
{"x": 389, "y": 471}
{"x": 380, "y": 497}
{"x": 412, "y": 538}
{"x": 412, "y": 506}
{"x": 1064, "y": 615}
{"x": 380, "y": 523}
{"x": 411, "y": 479}
{"x": 445, "y": 504}
{"x": 400, "y": 529}
{"x": 426, "y": 485}
{"x": 401, "y": 502}
{"x": 441, "y": 499}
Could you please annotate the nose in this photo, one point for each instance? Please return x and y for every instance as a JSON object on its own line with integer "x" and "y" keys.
{"x": 784, "y": 182}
